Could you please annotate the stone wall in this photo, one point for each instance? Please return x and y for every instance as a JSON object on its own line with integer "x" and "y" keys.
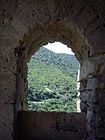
{"x": 26, "y": 25}
{"x": 93, "y": 96}
{"x": 51, "y": 126}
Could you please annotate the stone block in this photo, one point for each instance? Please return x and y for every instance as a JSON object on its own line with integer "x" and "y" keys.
{"x": 100, "y": 95}
{"x": 7, "y": 87}
{"x": 100, "y": 133}
{"x": 91, "y": 84}
{"x": 99, "y": 120}
{"x": 87, "y": 68}
{"x": 83, "y": 106}
{"x": 89, "y": 96}
{"x": 7, "y": 59}
{"x": 90, "y": 117}
{"x": 6, "y": 121}
{"x": 82, "y": 87}
{"x": 52, "y": 125}
{"x": 83, "y": 96}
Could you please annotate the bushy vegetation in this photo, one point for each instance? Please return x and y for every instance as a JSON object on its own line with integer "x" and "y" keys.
{"x": 52, "y": 82}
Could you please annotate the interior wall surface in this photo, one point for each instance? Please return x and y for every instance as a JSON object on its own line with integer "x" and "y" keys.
{"x": 26, "y": 25}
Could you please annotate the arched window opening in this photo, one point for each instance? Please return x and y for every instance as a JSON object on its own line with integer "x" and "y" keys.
{"x": 52, "y": 79}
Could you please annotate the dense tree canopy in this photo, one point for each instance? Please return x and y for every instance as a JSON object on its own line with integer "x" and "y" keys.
{"x": 52, "y": 81}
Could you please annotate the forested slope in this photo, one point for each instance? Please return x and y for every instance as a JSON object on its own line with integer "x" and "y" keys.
{"x": 52, "y": 81}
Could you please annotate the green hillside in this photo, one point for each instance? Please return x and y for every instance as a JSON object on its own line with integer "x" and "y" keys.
{"x": 52, "y": 82}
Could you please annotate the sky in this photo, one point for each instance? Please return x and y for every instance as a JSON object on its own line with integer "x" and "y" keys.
{"x": 58, "y": 47}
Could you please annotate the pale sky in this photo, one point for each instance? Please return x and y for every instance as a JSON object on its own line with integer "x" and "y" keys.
{"x": 58, "y": 47}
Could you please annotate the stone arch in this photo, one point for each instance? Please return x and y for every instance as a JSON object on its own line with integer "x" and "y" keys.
{"x": 61, "y": 31}
{"x": 84, "y": 23}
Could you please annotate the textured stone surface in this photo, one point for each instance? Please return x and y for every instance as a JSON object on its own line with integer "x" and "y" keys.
{"x": 6, "y": 121}
{"x": 7, "y": 87}
{"x": 26, "y": 25}
{"x": 51, "y": 126}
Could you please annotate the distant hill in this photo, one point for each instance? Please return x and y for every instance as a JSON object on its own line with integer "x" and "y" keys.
{"x": 52, "y": 81}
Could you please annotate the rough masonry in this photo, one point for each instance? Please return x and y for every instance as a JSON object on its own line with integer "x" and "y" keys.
{"x": 26, "y": 25}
